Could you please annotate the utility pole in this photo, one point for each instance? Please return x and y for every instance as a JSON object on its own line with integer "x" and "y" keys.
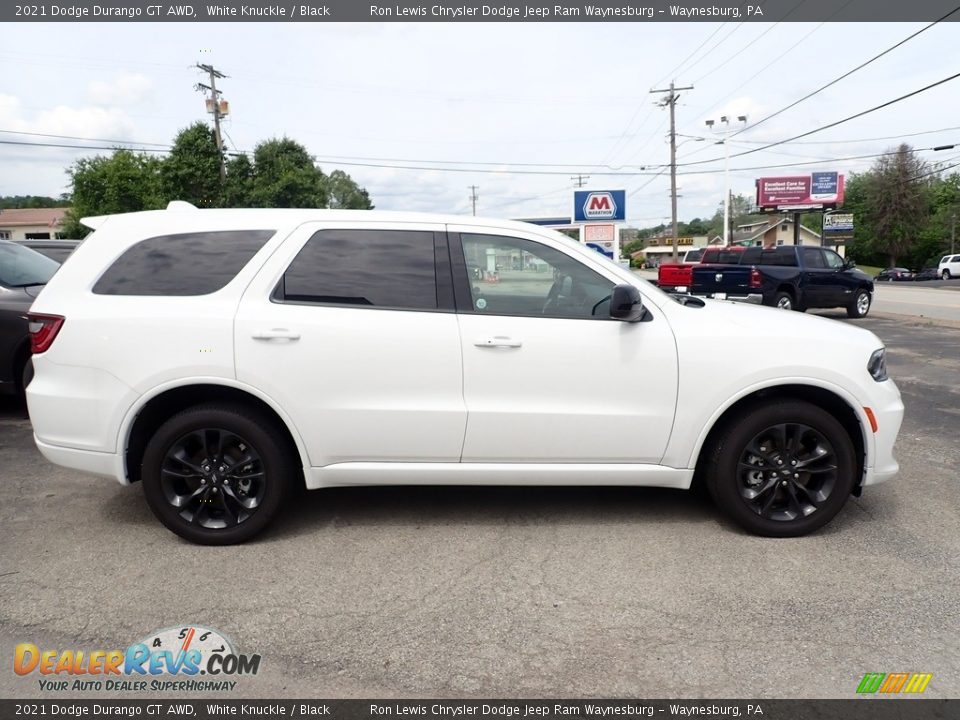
{"x": 953, "y": 233}
{"x": 580, "y": 180}
{"x": 213, "y": 106}
{"x": 671, "y": 101}
{"x": 474, "y": 196}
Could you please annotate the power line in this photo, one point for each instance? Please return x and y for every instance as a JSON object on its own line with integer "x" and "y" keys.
{"x": 833, "y": 124}
{"x": 73, "y": 137}
{"x": 851, "y": 72}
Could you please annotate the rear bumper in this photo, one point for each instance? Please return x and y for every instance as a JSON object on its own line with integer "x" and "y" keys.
{"x": 87, "y": 461}
{"x": 752, "y": 298}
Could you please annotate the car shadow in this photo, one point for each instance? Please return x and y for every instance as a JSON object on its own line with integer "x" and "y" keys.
{"x": 426, "y": 506}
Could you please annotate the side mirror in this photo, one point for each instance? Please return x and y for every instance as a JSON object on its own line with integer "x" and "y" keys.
{"x": 849, "y": 264}
{"x": 626, "y": 304}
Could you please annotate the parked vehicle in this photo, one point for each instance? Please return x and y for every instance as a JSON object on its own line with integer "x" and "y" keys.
{"x": 949, "y": 266}
{"x": 894, "y": 275}
{"x": 789, "y": 277}
{"x": 677, "y": 277}
{"x": 23, "y": 272}
{"x": 930, "y": 273}
{"x": 219, "y": 357}
{"x": 58, "y": 250}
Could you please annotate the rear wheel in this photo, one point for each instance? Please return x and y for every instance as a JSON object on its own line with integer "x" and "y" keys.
{"x": 24, "y": 374}
{"x": 785, "y": 301}
{"x": 945, "y": 275}
{"x": 782, "y": 470}
{"x": 216, "y": 474}
{"x": 860, "y": 304}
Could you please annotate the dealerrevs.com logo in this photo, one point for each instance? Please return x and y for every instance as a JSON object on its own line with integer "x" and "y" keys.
{"x": 171, "y": 659}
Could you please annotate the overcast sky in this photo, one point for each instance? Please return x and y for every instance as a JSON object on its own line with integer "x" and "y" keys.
{"x": 511, "y": 95}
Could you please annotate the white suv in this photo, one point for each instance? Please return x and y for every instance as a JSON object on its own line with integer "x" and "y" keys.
{"x": 949, "y": 266}
{"x": 218, "y": 357}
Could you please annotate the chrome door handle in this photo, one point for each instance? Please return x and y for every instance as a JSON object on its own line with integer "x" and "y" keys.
{"x": 275, "y": 334}
{"x": 498, "y": 341}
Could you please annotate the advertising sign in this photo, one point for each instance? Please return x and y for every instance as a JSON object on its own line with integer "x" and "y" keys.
{"x": 837, "y": 226}
{"x": 800, "y": 191}
{"x": 599, "y": 206}
{"x": 599, "y": 233}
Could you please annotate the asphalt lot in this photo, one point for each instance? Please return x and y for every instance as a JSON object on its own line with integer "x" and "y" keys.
{"x": 511, "y": 591}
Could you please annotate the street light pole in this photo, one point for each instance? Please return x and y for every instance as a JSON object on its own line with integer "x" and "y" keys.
{"x": 727, "y": 235}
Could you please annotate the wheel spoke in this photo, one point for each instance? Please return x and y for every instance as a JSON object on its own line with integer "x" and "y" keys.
{"x": 183, "y": 476}
{"x": 767, "y": 506}
{"x": 754, "y": 449}
{"x": 250, "y": 504}
{"x": 180, "y": 456}
{"x": 809, "y": 494}
{"x": 183, "y": 500}
{"x": 247, "y": 458}
{"x": 231, "y": 516}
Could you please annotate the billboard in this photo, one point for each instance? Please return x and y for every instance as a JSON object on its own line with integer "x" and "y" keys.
{"x": 801, "y": 192}
{"x": 599, "y": 206}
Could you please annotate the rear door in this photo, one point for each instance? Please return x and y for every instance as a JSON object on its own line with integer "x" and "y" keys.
{"x": 351, "y": 329}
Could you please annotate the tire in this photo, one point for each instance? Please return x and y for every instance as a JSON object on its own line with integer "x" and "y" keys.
{"x": 787, "y": 500}
{"x": 24, "y": 376}
{"x": 784, "y": 301}
{"x": 186, "y": 490}
{"x": 860, "y": 304}
{"x": 945, "y": 275}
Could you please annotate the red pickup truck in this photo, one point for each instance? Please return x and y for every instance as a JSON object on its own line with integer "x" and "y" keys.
{"x": 677, "y": 277}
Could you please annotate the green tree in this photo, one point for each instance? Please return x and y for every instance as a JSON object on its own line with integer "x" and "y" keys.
{"x": 343, "y": 192}
{"x": 10, "y": 202}
{"x": 191, "y": 171}
{"x": 285, "y": 177}
{"x": 119, "y": 183}
{"x": 898, "y": 197}
{"x": 239, "y": 184}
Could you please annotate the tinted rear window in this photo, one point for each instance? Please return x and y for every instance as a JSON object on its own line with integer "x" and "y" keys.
{"x": 373, "y": 268}
{"x": 182, "y": 265}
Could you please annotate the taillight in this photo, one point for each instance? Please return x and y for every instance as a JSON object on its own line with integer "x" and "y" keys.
{"x": 43, "y": 331}
{"x": 756, "y": 280}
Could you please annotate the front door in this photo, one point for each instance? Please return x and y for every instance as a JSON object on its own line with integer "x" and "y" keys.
{"x": 549, "y": 377}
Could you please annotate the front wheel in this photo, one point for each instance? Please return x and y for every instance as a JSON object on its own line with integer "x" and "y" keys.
{"x": 782, "y": 470}
{"x": 860, "y": 304}
{"x": 216, "y": 474}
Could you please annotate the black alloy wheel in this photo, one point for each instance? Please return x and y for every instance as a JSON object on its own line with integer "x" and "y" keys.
{"x": 215, "y": 474}
{"x": 784, "y": 468}
{"x": 787, "y": 471}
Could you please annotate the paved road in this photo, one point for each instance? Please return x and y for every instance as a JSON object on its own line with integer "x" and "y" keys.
{"x": 919, "y": 299}
{"x": 530, "y": 592}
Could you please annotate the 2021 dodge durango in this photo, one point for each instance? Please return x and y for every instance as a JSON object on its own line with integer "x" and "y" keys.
{"x": 221, "y": 357}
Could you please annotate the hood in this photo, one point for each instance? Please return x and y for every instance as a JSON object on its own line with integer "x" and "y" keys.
{"x": 765, "y": 326}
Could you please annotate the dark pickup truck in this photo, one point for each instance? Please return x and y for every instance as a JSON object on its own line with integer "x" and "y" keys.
{"x": 788, "y": 277}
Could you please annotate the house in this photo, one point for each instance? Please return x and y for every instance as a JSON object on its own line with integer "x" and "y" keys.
{"x": 31, "y": 223}
{"x": 773, "y": 232}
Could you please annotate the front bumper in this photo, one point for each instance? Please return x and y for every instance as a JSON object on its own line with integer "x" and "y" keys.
{"x": 887, "y": 407}
{"x": 752, "y": 298}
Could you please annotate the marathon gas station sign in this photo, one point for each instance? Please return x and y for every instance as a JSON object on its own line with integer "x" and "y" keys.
{"x": 590, "y": 206}
{"x": 800, "y": 192}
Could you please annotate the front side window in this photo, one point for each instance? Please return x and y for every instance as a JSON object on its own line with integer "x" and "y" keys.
{"x": 833, "y": 259}
{"x": 512, "y": 276}
{"x": 393, "y": 269}
{"x": 181, "y": 265}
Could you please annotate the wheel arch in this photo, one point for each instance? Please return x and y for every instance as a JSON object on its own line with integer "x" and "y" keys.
{"x": 163, "y": 403}
{"x": 841, "y": 408}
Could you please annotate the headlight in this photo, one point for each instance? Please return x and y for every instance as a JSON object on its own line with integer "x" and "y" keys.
{"x": 877, "y": 367}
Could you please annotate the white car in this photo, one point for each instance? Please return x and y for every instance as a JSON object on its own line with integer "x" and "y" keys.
{"x": 949, "y": 266}
{"x": 218, "y": 357}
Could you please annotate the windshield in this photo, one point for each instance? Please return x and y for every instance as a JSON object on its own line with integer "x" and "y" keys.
{"x": 22, "y": 267}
